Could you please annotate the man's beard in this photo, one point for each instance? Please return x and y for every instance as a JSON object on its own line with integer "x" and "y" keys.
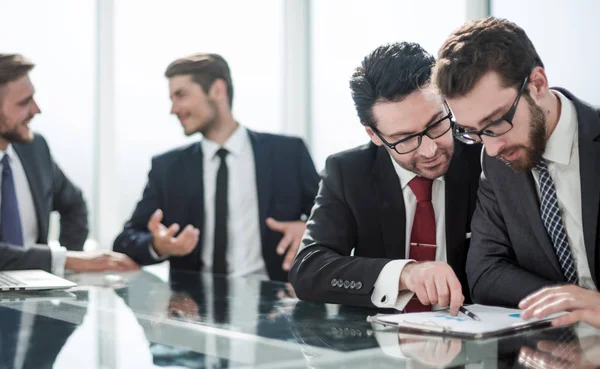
{"x": 438, "y": 170}
{"x": 12, "y": 134}
{"x": 211, "y": 123}
{"x": 536, "y": 146}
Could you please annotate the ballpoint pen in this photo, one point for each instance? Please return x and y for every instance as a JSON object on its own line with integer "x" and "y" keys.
{"x": 468, "y": 313}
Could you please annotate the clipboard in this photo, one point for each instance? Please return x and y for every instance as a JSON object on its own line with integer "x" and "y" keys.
{"x": 495, "y": 322}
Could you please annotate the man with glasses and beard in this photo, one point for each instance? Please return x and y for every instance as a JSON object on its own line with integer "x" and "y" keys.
{"x": 536, "y": 222}
{"x": 390, "y": 225}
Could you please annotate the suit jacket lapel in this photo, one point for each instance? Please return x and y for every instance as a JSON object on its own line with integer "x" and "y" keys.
{"x": 589, "y": 172}
{"x": 194, "y": 186}
{"x": 391, "y": 205}
{"x": 28, "y": 161}
{"x": 193, "y": 193}
{"x": 456, "y": 207}
{"x": 262, "y": 163}
{"x": 589, "y": 164}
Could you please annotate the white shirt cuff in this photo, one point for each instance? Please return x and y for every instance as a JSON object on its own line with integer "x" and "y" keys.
{"x": 59, "y": 258}
{"x": 386, "y": 292}
{"x": 154, "y": 255}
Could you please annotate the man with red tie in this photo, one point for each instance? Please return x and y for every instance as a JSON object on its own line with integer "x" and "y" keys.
{"x": 391, "y": 222}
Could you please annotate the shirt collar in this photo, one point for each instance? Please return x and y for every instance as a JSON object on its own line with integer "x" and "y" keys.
{"x": 560, "y": 143}
{"x": 406, "y": 175}
{"x": 10, "y": 151}
{"x": 235, "y": 144}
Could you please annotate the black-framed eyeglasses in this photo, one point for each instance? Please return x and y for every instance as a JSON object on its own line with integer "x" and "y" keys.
{"x": 412, "y": 142}
{"x": 494, "y": 129}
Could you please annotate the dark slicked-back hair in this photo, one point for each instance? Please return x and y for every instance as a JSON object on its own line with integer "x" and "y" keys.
{"x": 481, "y": 46}
{"x": 205, "y": 69}
{"x": 390, "y": 73}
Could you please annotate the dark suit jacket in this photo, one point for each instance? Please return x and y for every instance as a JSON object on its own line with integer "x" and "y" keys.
{"x": 286, "y": 182}
{"x": 52, "y": 191}
{"x": 360, "y": 206}
{"x": 16, "y": 257}
{"x": 511, "y": 254}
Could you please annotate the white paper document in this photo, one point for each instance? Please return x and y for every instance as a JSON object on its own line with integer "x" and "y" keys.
{"x": 494, "y": 321}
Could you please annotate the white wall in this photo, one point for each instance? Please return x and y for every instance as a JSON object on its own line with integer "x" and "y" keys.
{"x": 150, "y": 35}
{"x": 59, "y": 36}
{"x": 344, "y": 32}
{"x": 565, "y": 34}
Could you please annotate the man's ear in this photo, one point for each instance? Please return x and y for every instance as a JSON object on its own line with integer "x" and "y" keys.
{"x": 218, "y": 91}
{"x": 538, "y": 83}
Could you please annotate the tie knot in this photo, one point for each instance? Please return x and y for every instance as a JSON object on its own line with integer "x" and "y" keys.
{"x": 222, "y": 153}
{"x": 421, "y": 187}
{"x": 542, "y": 165}
{"x": 6, "y": 170}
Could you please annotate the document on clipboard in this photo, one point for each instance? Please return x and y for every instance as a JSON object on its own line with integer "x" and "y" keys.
{"x": 495, "y": 321}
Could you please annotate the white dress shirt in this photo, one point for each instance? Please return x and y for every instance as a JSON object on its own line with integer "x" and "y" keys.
{"x": 562, "y": 155}
{"x": 244, "y": 246}
{"x": 27, "y": 212}
{"x": 388, "y": 282}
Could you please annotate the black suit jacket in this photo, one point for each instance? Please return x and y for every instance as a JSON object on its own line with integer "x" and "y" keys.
{"x": 286, "y": 182}
{"x": 511, "y": 254}
{"x": 53, "y": 191}
{"x": 360, "y": 207}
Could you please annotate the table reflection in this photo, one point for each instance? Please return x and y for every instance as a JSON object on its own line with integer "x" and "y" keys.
{"x": 191, "y": 320}
{"x": 236, "y": 308}
{"x": 30, "y": 340}
{"x": 568, "y": 351}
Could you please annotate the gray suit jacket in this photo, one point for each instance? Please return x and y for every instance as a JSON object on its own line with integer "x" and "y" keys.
{"x": 15, "y": 258}
{"x": 511, "y": 254}
{"x": 52, "y": 191}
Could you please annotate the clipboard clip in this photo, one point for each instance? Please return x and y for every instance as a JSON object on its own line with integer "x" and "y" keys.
{"x": 384, "y": 325}
{"x": 424, "y": 327}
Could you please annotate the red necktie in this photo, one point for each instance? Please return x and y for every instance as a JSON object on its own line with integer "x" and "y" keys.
{"x": 422, "y": 237}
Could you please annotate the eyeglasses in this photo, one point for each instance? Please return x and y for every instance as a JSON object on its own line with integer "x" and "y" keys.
{"x": 494, "y": 129}
{"x": 412, "y": 142}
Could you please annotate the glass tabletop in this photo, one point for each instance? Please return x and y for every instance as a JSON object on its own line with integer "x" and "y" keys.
{"x": 155, "y": 319}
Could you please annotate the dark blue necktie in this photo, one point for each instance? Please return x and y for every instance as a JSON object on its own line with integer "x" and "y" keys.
{"x": 12, "y": 232}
